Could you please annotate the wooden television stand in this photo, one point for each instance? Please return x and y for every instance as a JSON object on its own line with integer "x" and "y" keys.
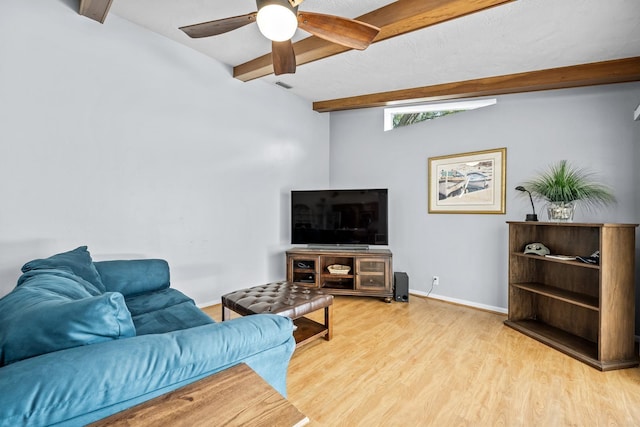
{"x": 370, "y": 271}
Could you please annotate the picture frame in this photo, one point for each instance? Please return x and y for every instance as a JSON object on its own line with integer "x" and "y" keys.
{"x": 468, "y": 183}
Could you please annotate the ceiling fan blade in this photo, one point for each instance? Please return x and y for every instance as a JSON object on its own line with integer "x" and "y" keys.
{"x": 220, "y": 26}
{"x": 343, "y": 31}
{"x": 295, "y": 3}
{"x": 284, "y": 58}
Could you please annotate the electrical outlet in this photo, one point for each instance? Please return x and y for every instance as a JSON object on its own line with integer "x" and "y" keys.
{"x": 436, "y": 280}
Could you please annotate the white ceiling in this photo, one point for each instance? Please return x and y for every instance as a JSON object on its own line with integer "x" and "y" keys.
{"x": 524, "y": 35}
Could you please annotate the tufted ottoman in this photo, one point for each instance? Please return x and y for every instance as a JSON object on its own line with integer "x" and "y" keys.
{"x": 284, "y": 299}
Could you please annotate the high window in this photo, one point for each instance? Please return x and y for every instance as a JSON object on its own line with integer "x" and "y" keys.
{"x": 403, "y": 116}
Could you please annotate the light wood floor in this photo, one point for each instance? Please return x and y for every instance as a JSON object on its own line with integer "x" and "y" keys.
{"x": 431, "y": 363}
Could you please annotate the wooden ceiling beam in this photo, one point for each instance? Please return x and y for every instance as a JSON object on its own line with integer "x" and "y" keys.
{"x": 394, "y": 19}
{"x": 596, "y": 73}
{"x": 95, "y": 9}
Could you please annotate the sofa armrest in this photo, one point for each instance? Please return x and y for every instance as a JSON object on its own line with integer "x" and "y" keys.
{"x": 83, "y": 384}
{"x": 133, "y": 277}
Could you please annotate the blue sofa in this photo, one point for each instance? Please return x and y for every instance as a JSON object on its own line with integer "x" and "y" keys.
{"x": 80, "y": 340}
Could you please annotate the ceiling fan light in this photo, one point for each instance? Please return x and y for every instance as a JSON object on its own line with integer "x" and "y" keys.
{"x": 277, "y": 22}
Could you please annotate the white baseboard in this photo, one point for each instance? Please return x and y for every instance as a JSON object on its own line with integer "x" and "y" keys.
{"x": 501, "y": 310}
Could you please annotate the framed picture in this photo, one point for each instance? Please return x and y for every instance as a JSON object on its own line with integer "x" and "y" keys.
{"x": 471, "y": 183}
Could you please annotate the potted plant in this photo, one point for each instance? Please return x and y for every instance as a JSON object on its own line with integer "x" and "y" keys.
{"x": 562, "y": 185}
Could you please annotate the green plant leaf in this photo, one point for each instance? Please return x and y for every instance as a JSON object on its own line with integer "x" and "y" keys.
{"x": 565, "y": 183}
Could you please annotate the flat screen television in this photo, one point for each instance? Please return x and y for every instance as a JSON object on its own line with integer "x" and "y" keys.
{"x": 339, "y": 217}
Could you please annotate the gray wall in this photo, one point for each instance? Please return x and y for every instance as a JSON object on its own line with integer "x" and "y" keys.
{"x": 591, "y": 127}
{"x": 117, "y": 138}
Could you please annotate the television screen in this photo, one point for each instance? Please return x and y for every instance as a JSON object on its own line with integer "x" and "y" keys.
{"x": 339, "y": 217}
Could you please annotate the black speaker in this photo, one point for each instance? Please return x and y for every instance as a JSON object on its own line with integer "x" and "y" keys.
{"x": 400, "y": 286}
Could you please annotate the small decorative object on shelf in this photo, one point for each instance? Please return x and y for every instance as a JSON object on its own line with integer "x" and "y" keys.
{"x": 561, "y": 257}
{"x": 563, "y": 186}
{"x": 594, "y": 258}
{"x": 536, "y": 249}
{"x": 338, "y": 269}
{"x": 561, "y": 211}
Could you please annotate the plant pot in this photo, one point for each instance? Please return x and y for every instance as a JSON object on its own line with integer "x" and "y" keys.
{"x": 560, "y": 211}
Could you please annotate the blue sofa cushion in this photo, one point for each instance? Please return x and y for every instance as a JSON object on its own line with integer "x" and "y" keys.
{"x": 132, "y": 277}
{"x": 154, "y": 301}
{"x": 181, "y": 316}
{"x": 77, "y": 261}
{"x": 163, "y": 311}
{"x": 66, "y": 273}
{"x": 50, "y": 312}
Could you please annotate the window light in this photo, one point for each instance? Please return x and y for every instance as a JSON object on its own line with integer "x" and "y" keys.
{"x": 438, "y": 110}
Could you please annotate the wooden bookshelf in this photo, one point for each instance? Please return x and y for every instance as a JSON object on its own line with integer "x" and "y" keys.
{"x": 584, "y": 310}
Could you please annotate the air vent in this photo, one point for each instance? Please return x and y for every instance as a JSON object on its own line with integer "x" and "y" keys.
{"x": 284, "y": 85}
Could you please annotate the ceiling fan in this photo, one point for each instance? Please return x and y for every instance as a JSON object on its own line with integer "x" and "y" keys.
{"x": 278, "y": 21}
